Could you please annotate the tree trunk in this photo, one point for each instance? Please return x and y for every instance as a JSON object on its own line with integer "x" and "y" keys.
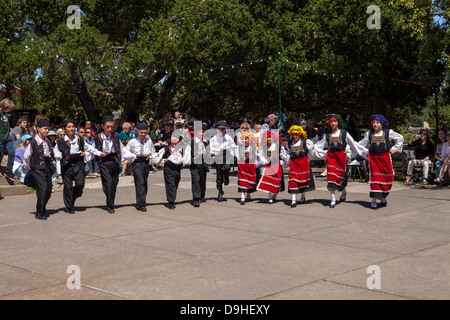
{"x": 81, "y": 91}
{"x": 168, "y": 91}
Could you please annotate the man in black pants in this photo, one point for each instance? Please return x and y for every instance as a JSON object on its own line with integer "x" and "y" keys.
{"x": 70, "y": 151}
{"x": 142, "y": 151}
{"x": 109, "y": 143}
{"x": 198, "y": 166}
{"x": 222, "y": 147}
{"x": 38, "y": 157}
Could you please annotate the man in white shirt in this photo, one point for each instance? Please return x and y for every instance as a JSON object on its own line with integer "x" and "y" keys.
{"x": 222, "y": 147}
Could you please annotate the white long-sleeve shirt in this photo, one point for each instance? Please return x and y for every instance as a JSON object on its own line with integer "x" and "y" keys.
{"x": 398, "y": 138}
{"x": 108, "y": 146}
{"x": 176, "y": 155}
{"x": 139, "y": 148}
{"x": 353, "y": 147}
{"x": 75, "y": 148}
{"x": 220, "y": 142}
{"x": 284, "y": 157}
{"x": 252, "y": 151}
{"x": 29, "y": 150}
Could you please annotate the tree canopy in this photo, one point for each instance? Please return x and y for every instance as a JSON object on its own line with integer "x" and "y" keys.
{"x": 223, "y": 58}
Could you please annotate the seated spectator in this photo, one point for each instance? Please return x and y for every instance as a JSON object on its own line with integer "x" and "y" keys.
{"x": 124, "y": 134}
{"x": 117, "y": 122}
{"x": 18, "y": 169}
{"x": 154, "y": 131}
{"x": 445, "y": 156}
{"x": 19, "y": 131}
{"x": 310, "y": 131}
{"x": 438, "y": 154}
{"x": 166, "y": 135}
{"x": 423, "y": 152}
{"x": 132, "y": 132}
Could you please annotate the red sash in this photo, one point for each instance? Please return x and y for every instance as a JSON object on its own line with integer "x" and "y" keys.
{"x": 336, "y": 167}
{"x": 299, "y": 173}
{"x": 381, "y": 172}
{"x": 246, "y": 175}
{"x": 271, "y": 178}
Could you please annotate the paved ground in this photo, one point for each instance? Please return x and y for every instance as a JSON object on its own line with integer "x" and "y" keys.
{"x": 228, "y": 251}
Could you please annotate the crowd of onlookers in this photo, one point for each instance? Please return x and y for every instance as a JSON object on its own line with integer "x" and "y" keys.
{"x": 14, "y": 139}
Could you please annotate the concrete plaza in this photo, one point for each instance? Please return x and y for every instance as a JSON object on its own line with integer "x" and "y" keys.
{"x": 225, "y": 251}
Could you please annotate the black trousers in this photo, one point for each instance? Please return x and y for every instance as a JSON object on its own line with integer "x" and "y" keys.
{"x": 223, "y": 172}
{"x": 198, "y": 178}
{"x": 43, "y": 184}
{"x": 140, "y": 174}
{"x": 172, "y": 175}
{"x": 72, "y": 172}
{"x": 109, "y": 171}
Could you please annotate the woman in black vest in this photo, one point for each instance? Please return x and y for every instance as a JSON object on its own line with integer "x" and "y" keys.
{"x": 109, "y": 144}
{"x": 38, "y": 157}
{"x": 341, "y": 146}
{"x": 70, "y": 151}
{"x": 378, "y": 140}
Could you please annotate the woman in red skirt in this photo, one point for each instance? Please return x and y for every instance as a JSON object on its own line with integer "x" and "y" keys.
{"x": 341, "y": 147}
{"x": 274, "y": 158}
{"x": 247, "y": 153}
{"x": 301, "y": 150}
{"x": 378, "y": 140}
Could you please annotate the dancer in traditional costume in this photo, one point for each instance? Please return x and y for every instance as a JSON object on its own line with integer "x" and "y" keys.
{"x": 70, "y": 151}
{"x": 341, "y": 146}
{"x": 142, "y": 156}
{"x": 198, "y": 166}
{"x": 109, "y": 143}
{"x": 274, "y": 158}
{"x": 378, "y": 140}
{"x": 301, "y": 150}
{"x": 38, "y": 157}
{"x": 173, "y": 158}
{"x": 222, "y": 147}
{"x": 247, "y": 153}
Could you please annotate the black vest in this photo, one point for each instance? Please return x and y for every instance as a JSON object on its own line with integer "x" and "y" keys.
{"x": 337, "y": 143}
{"x": 98, "y": 143}
{"x": 380, "y": 144}
{"x": 64, "y": 148}
{"x": 38, "y": 160}
{"x": 298, "y": 151}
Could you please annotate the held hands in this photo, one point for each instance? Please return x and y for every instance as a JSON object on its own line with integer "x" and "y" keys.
{"x": 103, "y": 154}
{"x": 83, "y": 153}
{"x": 148, "y": 158}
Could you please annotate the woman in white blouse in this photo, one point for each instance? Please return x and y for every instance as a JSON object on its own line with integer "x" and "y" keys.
{"x": 378, "y": 140}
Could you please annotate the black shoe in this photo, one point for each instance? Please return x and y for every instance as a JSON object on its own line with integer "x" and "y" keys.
{"x": 71, "y": 211}
{"x": 226, "y": 179}
{"x": 142, "y": 209}
{"x": 9, "y": 175}
{"x": 220, "y": 196}
{"x": 171, "y": 206}
{"x": 196, "y": 203}
{"x": 383, "y": 204}
{"x": 374, "y": 207}
{"x": 293, "y": 204}
{"x": 342, "y": 199}
{"x": 242, "y": 202}
{"x": 40, "y": 216}
{"x": 111, "y": 210}
{"x": 332, "y": 206}
{"x": 203, "y": 200}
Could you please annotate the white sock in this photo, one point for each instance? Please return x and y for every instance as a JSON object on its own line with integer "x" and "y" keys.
{"x": 294, "y": 198}
{"x": 242, "y": 196}
{"x": 333, "y": 198}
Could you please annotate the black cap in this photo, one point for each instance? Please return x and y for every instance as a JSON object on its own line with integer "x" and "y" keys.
{"x": 204, "y": 126}
{"x": 65, "y": 123}
{"x": 142, "y": 126}
{"x": 107, "y": 119}
{"x": 43, "y": 123}
{"x": 221, "y": 123}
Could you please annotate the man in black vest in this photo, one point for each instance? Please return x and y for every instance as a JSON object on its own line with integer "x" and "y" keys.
{"x": 109, "y": 143}
{"x": 70, "y": 151}
{"x": 38, "y": 157}
{"x": 198, "y": 167}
